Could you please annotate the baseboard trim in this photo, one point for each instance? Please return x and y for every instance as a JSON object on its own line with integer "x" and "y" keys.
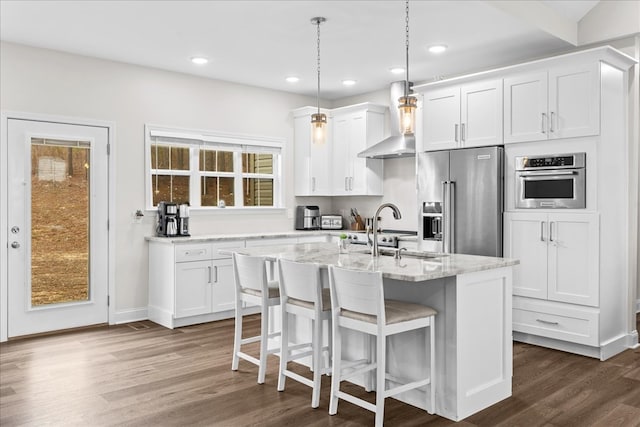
{"x": 127, "y": 316}
{"x": 602, "y": 352}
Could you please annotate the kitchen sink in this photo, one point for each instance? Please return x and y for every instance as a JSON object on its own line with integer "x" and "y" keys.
{"x": 404, "y": 254}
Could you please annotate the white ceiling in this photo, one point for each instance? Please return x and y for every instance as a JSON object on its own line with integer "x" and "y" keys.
{"x": 261, "y": 42}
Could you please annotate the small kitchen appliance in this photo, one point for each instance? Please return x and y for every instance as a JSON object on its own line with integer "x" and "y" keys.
{"x": 183, "y": 220}
{"x": 331, "y": 222}
{"x": 167, "y": 219}
{"x": 551, "y": 182}
{"x": 307, "y": 218}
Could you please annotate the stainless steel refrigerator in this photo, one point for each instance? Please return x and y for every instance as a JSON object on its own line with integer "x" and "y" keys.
{"x": 460, "y": 201}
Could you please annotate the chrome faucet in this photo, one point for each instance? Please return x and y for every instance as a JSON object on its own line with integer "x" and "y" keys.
{"x": 396, "y": 215}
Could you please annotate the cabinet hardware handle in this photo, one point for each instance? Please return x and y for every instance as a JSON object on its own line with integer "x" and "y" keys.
{"x": 215, "y": 274}
{"x": 456, "y": 132}
{"x": 462, "y": 138}
{"x": 551, "y": 231}
{"x": 346, "y": 183}
{"x": 542, "y": 231}
{"x": 544, "y": 116}
{"x": 313, "y": 184}
{"x": 351, "y": 183}
{"x": 209, "y": 274}
{"x": 551, "y": 122}
{"x": 547, "y": 322}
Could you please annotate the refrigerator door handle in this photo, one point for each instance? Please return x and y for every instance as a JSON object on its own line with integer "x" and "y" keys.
{"x": 445, "y": 217}
{"x": 452, "y": 219}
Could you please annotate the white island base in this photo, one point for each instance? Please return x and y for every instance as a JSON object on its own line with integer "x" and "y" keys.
{"x": 473, "y": 341}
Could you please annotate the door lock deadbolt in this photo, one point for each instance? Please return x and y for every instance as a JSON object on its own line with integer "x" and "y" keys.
{"x": 15, "y": 245}
{"x": 15, "y": 229}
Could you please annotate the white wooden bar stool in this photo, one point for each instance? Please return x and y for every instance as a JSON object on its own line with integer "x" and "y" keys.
{"x": 253, "y": 287}
{"x": 301, "y": 294}
{"x": 357, "y": 303}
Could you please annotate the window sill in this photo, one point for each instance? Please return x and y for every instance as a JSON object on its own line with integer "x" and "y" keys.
{"x": 229, "y": 210}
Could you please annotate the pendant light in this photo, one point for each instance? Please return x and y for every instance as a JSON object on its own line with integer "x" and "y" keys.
{"x": 318, "y": 120}
{"x": 407, "y": 104}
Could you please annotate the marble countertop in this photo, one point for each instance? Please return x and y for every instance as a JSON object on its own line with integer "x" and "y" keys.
{"x": 412, "y": 267}
{"x": 256, "y": 236}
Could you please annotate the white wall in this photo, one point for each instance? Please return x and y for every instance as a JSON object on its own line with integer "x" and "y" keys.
{"x": 597, "y": 25}
{"x": 48, "y": 82}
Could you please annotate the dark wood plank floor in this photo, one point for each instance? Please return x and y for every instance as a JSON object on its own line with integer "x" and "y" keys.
{"x": 145, "y": 375}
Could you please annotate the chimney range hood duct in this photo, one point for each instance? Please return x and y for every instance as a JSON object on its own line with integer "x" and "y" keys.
{"x": 396, "y": 145}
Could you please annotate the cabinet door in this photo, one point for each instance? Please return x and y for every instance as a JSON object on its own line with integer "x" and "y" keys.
{"x": 357, "y": 142}
{"x": 312, "y": 161}
{"x": 341, "y": 161}
{"x": 193, "y": 288}
{"x": 573, "y": 258}
{"x": 525, "y": 107}
{"x": 481, "y": 114}
{"x": 441, "y": 119}
{"x": 223, "y": 288}
{"x": 525, "y": 239}
{"x": 573, "y": 101}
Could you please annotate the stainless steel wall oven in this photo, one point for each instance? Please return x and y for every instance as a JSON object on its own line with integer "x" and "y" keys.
{"x": 551, "y": 182}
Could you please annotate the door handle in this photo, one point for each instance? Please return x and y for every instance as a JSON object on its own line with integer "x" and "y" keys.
{"x": 15, "y": 245}
{"x": 551, "y": 122}
{"x": 544, "y": 116}
{"x": 215, "y": 274}
{"x": 542, "y": 231}
{"x": 455, "y": 132}
{"x": 452, "y": 216}
{"x": 551, "y": 231}
{"x": 209, "y": 268}
{"x": 313, "y": 184}
{"x": 462, "y": 126}
{"x": 547, "y": 322}
{"x": 346, "y": 183}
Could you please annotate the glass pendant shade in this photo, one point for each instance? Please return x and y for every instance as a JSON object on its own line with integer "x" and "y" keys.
{"x": 407, "y": 106}
{"x": 318, "y": 128}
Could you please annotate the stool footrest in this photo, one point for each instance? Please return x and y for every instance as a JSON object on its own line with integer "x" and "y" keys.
{"x": 357, "y": 401}
{"x": 405, "y": 387}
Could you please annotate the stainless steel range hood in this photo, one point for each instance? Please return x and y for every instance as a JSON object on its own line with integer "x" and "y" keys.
{"x": 396, "y": 145}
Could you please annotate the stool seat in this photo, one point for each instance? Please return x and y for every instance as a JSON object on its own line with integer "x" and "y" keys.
{"x": 273, "y": 290}
{"x": 326, "y": 301}
{"x": 395, "y": 312}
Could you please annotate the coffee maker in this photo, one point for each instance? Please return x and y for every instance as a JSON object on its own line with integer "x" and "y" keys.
{"x": 167, "y": 219}
{"x": 307, "y": 218}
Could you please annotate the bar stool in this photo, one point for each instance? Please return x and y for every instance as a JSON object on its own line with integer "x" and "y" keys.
{"x": 301, "y": 294}
{"x": 253, "y": 287}
{"x": 357, "y": 303}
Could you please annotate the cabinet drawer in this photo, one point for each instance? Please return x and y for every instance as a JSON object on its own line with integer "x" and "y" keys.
{"x": 194, "y": 252}
{"x": 560, "y": 322}
{"x": 231, "y": 245}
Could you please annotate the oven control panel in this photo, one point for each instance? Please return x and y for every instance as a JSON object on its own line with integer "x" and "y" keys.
{"x": 560, "y": 161}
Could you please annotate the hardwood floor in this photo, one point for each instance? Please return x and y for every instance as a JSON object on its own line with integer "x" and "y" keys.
{"x": 142, "y": 374}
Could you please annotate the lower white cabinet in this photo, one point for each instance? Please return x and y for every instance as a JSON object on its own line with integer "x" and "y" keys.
{"x": 190, "y": 283}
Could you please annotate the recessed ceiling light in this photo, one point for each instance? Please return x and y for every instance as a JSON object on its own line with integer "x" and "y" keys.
{"x": 348, "y": 82}
{"x": 397, "y": 70}
{"x": 199, "y": 60}
{"x": 437, "y": 48}
{"x": 292, "y": 79}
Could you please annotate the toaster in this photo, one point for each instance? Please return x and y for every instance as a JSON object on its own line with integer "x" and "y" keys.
{"x": 331, "y": 222}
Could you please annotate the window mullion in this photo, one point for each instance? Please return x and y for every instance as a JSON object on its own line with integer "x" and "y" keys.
{"x": 194, "y": 176}
{"x": 237, "y": 181}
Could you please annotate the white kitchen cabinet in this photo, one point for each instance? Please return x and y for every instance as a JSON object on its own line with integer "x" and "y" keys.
{"x": 558, "y": 255}
{"x": 561, "y": 102}
{"x": 354, "y": 129}
{"x": 190, "y": 282}
{"x": 463, "y": 116}
{"x": 312, "y": 161}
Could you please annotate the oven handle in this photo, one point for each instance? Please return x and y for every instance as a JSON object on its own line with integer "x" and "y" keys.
{"x": 550, "y": 173}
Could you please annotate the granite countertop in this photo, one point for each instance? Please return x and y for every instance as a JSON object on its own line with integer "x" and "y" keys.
{"x": 413, "y": 267}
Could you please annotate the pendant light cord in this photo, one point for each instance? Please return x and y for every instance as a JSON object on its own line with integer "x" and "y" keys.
{"x": 318, "y": 22}
{"x": 406, "y": 83}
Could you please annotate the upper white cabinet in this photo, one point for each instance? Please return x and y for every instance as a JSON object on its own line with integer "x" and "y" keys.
{"x": 333, "y": 168}
{"x": 469, "y": 115}
{"x": 312, "y": 161}
{"x": 354, "y": 129}
{"x": 561, "y": 102}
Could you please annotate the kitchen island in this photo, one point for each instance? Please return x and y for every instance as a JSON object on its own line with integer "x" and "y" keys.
{"x": 472, "y": 295}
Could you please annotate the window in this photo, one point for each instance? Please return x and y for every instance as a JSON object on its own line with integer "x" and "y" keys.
{"x": 207, "y": 169}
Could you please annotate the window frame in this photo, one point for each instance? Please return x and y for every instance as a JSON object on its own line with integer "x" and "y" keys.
{"x": 195, "y": 140}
